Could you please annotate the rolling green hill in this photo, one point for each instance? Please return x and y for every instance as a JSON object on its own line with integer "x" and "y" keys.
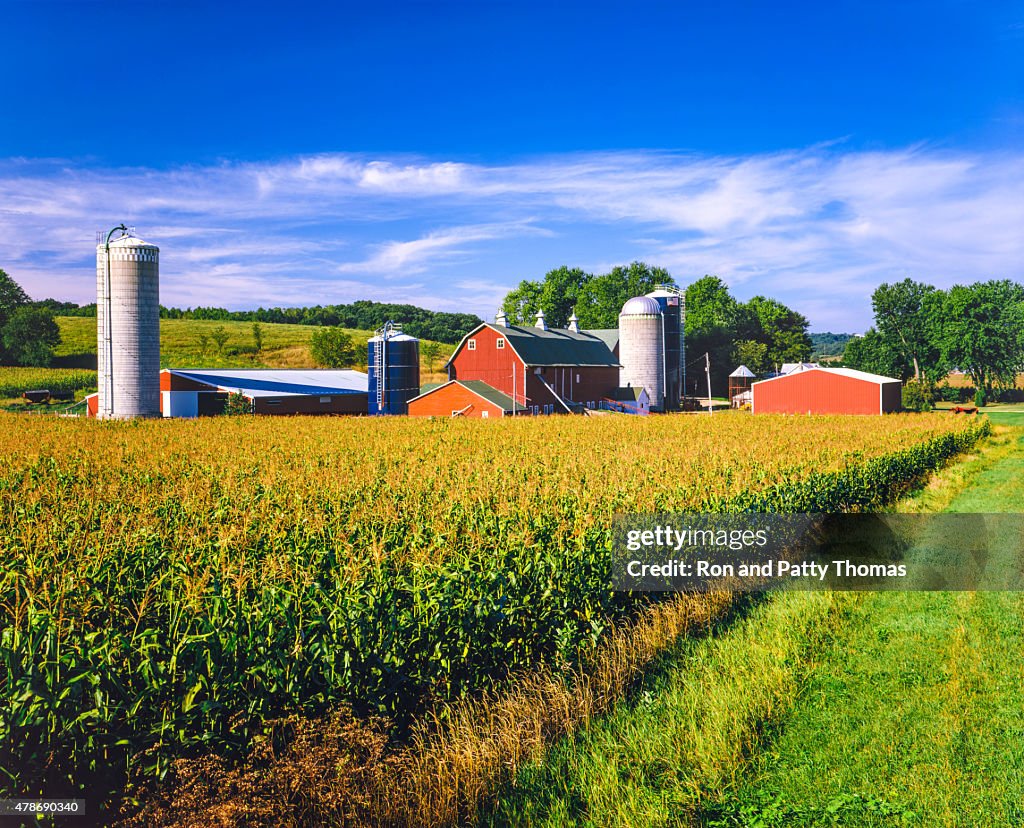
{"x": 182, "y": 345}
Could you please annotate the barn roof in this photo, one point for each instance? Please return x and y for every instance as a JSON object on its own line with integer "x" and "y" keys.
{"x": 609, "y": 336}
{"x": 553, "y": 347}
{"x": 273, "y": 383}
{"x": 878, "y": 379}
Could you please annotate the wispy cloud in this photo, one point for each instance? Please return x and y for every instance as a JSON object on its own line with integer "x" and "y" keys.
{"x": 819, "y": 227}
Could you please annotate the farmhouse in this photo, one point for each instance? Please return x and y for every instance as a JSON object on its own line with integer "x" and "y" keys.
{"x": 827, "y": 391}
{"x": 194, "y": 393}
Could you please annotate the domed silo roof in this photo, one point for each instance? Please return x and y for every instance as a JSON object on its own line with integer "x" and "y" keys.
{"x": 641, "y": 306}
{"x": 130, "y": 241}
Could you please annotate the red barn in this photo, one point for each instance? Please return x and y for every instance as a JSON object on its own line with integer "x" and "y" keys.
{"x": 827, "y": 391}
{"x": 546, "y": 370}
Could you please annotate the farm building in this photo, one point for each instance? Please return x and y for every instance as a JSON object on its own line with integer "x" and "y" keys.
{"x": 203, "y": 392}
{"x": 193, "y": 393}
{"x": 464, "y": 398}
{"x": 561, "y": 371}
{"x": 827, "y": 391}
{"x": 544, "y": 370}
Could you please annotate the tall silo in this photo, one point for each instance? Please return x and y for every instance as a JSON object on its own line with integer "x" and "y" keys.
{"x": 128, "y": 327}
{"x": 641, "y": 348}
{"x": 393, "y": 365}
{"x": 672, "y": 302}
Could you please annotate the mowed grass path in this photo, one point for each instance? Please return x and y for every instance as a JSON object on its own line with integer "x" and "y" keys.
{"x": 818, "y": 709}
{"x": 915, "y": 715}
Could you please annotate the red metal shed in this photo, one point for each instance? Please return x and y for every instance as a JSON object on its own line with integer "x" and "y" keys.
{"x": 827, "y": 391}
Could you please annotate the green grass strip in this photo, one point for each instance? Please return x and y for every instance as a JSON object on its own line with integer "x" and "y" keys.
{"x": 915, "y": 717}
{"x": 653, "y": 759}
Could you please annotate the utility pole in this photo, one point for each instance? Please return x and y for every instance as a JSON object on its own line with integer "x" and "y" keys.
{"x": 707, "y": 370}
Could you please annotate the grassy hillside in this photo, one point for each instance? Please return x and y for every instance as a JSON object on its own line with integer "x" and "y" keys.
{"x": 181, "y": 345}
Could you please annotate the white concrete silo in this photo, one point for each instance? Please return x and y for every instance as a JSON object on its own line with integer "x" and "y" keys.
{"x": 128, "y": 328}
{"x": 641, "y": 348}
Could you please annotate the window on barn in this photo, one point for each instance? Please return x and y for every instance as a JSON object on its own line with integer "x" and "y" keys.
{"x": 501, "y": 343}
{"x": 577, "y": 378}
{"x": 325, "y": 399}
{"x": 471, "y": 345}
{"x": 273, "y": 402}
{"x": 484, "y": 413}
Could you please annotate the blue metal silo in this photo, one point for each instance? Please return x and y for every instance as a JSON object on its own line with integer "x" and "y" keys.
{"x": 393, "y": 366}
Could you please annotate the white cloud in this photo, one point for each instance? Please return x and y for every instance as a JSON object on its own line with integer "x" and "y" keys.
{"x": 819, "y": 228}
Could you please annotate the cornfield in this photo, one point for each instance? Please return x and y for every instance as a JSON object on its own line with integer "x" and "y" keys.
{"x": 15, "y": 381}
{"x": 166, "y": 587}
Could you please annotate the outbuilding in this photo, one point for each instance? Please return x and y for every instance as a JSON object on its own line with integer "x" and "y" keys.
{"x": 464, "y": 398}
{"x": 827, "y": 391}
{"x": 198, "y": 392}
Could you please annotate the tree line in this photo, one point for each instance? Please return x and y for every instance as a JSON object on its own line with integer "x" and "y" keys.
{"x": 761, "y": 334}
{"x": 440, "y": 326}
{"x": 922, "y": 333}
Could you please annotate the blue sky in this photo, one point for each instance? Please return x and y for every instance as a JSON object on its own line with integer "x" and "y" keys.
{"x": 437, "y": 153}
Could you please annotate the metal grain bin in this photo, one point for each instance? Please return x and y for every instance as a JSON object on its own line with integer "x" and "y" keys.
{"x": 393, "y": 366}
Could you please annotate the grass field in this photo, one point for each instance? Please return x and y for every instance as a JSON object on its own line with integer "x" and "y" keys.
{"x": 284, "y": 346}
{"x": 873, "y": 709}
{"x": 168, "y": 586}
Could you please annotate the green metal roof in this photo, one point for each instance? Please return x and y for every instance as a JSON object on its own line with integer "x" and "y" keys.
{"x": 429, "y": 386}
{"x": 628, "y": 393}
{"x": 554, "y": 347}
{"x": 491, "y": 394}
{"x": 609, "y": 336}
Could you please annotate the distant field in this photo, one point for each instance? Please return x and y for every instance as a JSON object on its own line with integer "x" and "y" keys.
{"x": 15, "y": 381}
{"x": 284, "y": 346}
{"x": 964, "y": 381}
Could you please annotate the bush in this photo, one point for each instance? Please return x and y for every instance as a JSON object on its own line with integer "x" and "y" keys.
{"x": 979, "y": 397}
{"x": 237, "y": 403}
{"x": 332, "y": 348}
{"x": 949, "y": 393}
{"x": 917, "y": 396}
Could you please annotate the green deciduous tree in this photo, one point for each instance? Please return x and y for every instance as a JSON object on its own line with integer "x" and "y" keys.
{"x": 713, "y": 319}
{"x": 521, "y": 303}
{"x": 751, "y": 353}
{"x": 431, "y": 353}
{"x": 29, "y": 336}
{"x": 873, "y": 354}
{"x": 332, "y": 348}
{"x": 901, "y": 319}
{"x": 782, "y": 330}
{"x": 979, "y": 328}
{"x": 602, "y": 297}
{"x": 12, "y": 297}
{"x": 257, "y": 336}
{"x": 219, "y": 337}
